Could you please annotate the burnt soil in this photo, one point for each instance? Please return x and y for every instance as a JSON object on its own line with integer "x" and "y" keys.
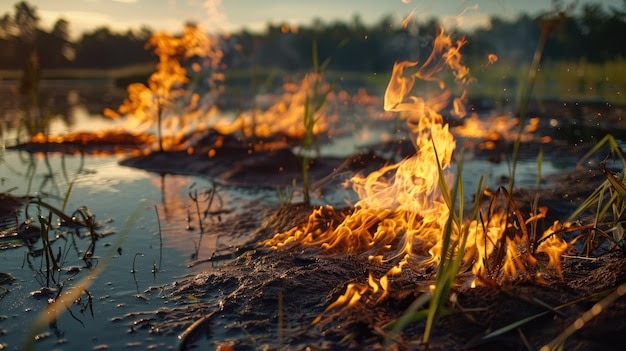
{"x": 235, "y": 300}
{"x": 237, "y": 303}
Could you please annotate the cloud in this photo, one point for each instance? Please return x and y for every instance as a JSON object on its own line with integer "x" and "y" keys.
{"x": 125, "y": 1}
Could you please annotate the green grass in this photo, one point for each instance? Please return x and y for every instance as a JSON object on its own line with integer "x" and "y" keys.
{"x": 312, "y": 105}
{"x": 556, "y": 80}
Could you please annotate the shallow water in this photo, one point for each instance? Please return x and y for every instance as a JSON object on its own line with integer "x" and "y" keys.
{"x": 113, "y": 192}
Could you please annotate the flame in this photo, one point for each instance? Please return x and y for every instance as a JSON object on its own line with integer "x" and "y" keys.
{"x": 164, "y": 101}
{"x": 401, "y": 213}
{"x": 165, "y": 97}
{"x": 285, "y": 116}
{"x": 492, "y": 58}
{"x": 497, "y": 130}
{"x": 407, "y": 20}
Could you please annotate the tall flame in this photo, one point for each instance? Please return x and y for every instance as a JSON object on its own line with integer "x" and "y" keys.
{"x": 401, "y": 214}
{"x": 165, "y": 100}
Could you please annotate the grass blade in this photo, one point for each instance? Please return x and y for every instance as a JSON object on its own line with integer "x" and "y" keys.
{"x": 513, "y": 325}
{"x": 54, "y": 310}
{"x": 584, "y": 318}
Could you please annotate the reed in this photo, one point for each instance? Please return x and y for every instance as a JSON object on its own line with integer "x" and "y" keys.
{"x": 61, "y": 303}
{"x": 607, "y": 202}
{"x": 453, "y": 248}
{"x": 312, "y": 105}
{"x": 546, "y": 27}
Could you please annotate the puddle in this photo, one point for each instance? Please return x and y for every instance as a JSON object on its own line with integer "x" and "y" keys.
{"x": 111, "y": 192}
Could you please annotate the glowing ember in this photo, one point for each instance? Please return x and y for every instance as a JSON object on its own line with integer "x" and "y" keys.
{"x": 97, "y": 143}
{"x": 401, "y": 215}
{"x": 492, "y": 58}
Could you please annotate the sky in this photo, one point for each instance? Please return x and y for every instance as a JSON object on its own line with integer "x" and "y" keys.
{"x": 232, "y": 15}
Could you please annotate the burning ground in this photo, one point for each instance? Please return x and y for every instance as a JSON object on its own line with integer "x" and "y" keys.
{"x": 270, "y": 298}
{"x": 367, "y": 272}
{"x": 407, "y": 265}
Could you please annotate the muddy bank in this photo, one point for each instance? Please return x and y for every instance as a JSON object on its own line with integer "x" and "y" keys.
{"x": 268, "y": 299}
{"x": 254, "y": 298}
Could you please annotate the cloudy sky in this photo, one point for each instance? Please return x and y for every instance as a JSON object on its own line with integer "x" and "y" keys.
{"x": 228, "y": 15}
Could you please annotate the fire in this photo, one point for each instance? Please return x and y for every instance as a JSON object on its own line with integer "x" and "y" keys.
{"x": 401, "y": 215}
{"x": 167, "y": 106}
{"x": 164, "y": 102}
{"x": 498, "y": 129}
{"x": 492, "y": 58}
{"x": 96, "y": 143}
{"x": 285, "y": 116}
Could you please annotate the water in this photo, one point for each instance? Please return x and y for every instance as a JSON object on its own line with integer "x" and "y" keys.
{"x": 113, "y": 193}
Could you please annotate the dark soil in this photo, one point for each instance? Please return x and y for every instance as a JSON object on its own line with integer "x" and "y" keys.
{"x": 238, "y": 163}
{"x": 238, "y": 303}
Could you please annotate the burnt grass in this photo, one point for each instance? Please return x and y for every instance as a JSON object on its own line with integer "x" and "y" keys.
{"x": 237, "y": 303}
{"x": 235, "y": 300}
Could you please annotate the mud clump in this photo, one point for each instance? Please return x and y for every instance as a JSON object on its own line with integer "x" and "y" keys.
{"x": 237, "y": 303}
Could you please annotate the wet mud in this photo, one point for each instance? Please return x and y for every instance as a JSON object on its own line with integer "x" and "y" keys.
{"x": 254, "y": 298}
{"x": 268, "y": 299}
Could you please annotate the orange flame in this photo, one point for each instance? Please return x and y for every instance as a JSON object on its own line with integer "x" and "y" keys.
{"x": 165, "y": 92}
{"x": 498, "y": 129}
{"x": 492, "y": 58}
{"x": 285, "y": 116}
{"x": 401, "y": 214}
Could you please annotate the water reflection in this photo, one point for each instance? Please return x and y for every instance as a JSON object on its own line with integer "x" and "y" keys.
{"x": 198, "y": 216}
{"x": 42, "y": 176}
{"x": 64, "y": 106}
{"x": 143, "y": 260}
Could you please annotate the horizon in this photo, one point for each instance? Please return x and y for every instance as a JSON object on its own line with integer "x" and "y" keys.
{"x": 235, "y": 15}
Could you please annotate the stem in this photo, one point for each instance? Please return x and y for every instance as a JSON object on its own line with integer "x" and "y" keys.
{"x": 305, "y": 180}
{"x": 546, "y": 28}
{"x": 159, "y": 127}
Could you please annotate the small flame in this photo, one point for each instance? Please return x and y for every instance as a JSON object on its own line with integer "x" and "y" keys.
{"x": 496, "y": 130}
{"x": 492, "y": 58}
{"x": 285, "y": 116}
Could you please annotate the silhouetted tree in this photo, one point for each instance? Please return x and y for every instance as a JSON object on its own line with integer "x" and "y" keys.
{"x": 103, "y": 48}
{"x": 55, "y": 47}
{"x": 593, "y": 33}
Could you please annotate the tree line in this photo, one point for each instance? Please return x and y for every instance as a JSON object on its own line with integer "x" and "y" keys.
{"x": 592, "y": 33}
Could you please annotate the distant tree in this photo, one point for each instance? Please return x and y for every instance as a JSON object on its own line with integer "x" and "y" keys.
{"x": 7, "y": 41}
{"x": 7, "y": 26}
{"x": 593, "y": 32}
{"x": 26, "y": 21}
{"x": 55, "y": 47}
{"x": 602, "y": 32}
{"x": 103, "y": 48}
